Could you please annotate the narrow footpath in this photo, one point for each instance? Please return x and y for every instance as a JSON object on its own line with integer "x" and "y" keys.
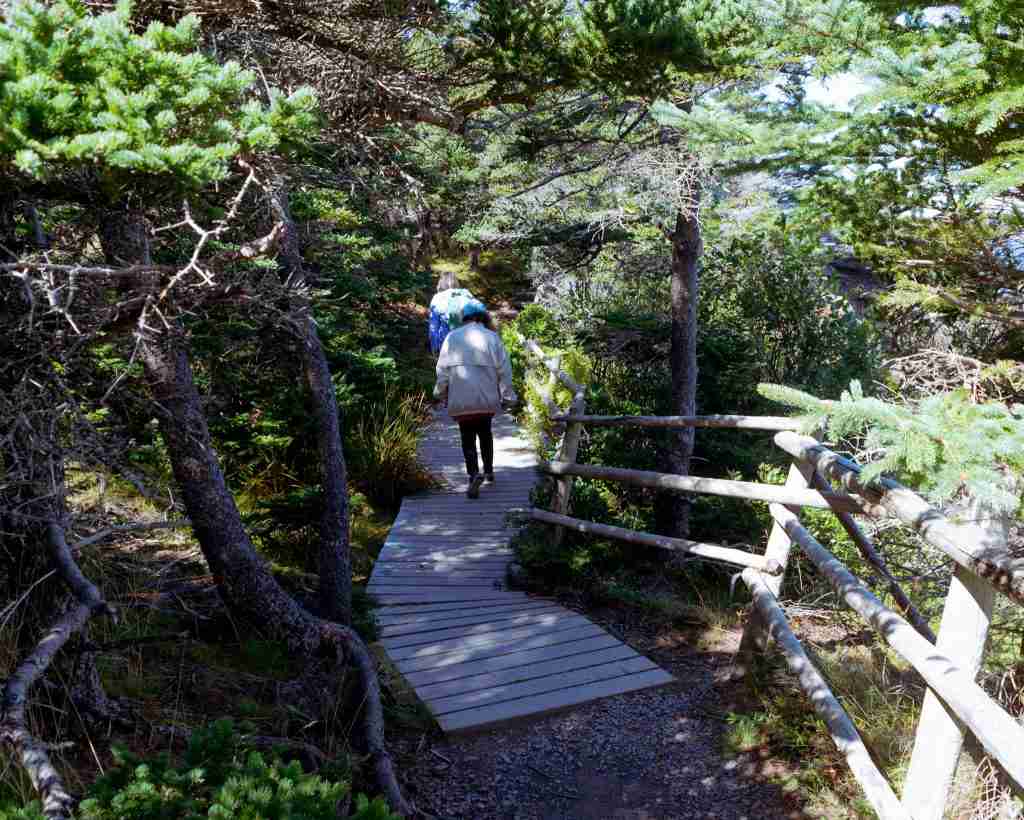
{"x": 475, "y": 652}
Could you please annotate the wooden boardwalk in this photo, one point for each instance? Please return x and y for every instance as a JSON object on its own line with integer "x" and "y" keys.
{"x": 475, "y": 652}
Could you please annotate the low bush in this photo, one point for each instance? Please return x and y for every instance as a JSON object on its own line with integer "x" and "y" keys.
{"x": 381, "y": 448}
{"x": 217, "y": 777}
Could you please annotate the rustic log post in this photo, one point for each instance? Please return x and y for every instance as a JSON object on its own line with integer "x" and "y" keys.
{"x": 567, "y": 453}
{"x": 963, "y": 633}
{"x": 994, "y": 728}
{"x": 755, "y": 635}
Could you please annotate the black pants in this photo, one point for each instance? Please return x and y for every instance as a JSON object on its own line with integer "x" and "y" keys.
{"x": 471, "y": 430}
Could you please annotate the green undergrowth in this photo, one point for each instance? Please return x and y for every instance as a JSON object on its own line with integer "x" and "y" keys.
{"x": 881, "y": 696}
{"x": 216, "y": 776}
{"x": 612, "y": 573}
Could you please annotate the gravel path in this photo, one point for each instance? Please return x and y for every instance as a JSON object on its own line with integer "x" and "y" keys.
{"x": 650, "y": 755}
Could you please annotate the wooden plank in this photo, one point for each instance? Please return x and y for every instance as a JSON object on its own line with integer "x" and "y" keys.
{"x": 497, "y": 576}
{"x": 463, "y": 639}
{"x": 433, "y": 572}
{"x": 499, "y": 540}
{"x": 520, "y": 659}
{"x": 437, "y": 595}
{"x": 429, "y": 624}
{"x": 440, "y": 553}
{"x": 453, "y": 534}
{"x": 473, "y": 653}
{"x": 876, "y": 788}
{"x": 551, "y": 701}
{"x": 436, "y": 580}
{"x": 545, "y": 619}
{"x": 440, "y": 592}
{"x": 502, "y": 677}
{"x": 563, "y": 679}
{"x": 415, "y": 613}
{"x": 443, "y": 560}
{"x": 406, "y": 556}
{"x": 413, "y": 609}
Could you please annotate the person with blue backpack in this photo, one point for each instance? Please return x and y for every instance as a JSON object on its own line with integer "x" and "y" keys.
{"x": 474, "y": 380}
{"x": 445, "y": 310}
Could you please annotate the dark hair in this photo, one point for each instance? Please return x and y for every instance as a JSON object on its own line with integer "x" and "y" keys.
{"x": 447, "y": 281}
{"x": 484, "y": 319}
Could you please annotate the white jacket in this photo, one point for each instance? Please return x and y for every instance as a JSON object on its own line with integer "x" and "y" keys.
{"x": 473, "y": 372}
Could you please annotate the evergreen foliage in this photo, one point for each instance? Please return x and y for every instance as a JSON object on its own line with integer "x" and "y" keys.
{"x": 622, "y": 47}
{"x": 923, "y": 177}
{"x": 945, "y": 445}
{"x": 78, "y": 89}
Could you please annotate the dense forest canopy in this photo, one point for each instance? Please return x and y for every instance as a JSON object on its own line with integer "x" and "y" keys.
{"x": 220, "y": 224}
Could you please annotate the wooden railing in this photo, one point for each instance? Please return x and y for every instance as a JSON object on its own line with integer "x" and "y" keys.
{"x": 819, "y": 478}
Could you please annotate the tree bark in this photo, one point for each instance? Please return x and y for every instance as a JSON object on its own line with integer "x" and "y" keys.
{"x": 124, "y": 236}
{"x": 243, "y": 578}
{"x": 335, "y": 563}
{"x": 687, "y": 247}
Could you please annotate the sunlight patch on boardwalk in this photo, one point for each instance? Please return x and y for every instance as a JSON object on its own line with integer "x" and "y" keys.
{"x": 475, "y": 652}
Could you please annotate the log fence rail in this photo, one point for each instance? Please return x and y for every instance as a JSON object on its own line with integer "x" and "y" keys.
{"x": 819, "y": 478}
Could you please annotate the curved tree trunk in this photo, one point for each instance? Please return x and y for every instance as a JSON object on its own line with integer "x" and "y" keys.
{"x": 242, "y": 576}
{"x": 687, "y": 247}
{"x": 335, "y": 564}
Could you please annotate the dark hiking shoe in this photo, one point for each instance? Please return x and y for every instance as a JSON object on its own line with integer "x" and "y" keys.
{"x": 488, "y": 478}
{"x": 474, "y": 486}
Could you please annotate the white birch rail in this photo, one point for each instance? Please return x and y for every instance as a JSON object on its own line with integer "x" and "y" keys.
{"x": 1000, "y": 735}
{"x": 675, "y": 422}
{"x": 876, "y": 788}
{"x": 748, "y": 490}
{"x": 970, "y": 545}
{"x": 711, "y": 552}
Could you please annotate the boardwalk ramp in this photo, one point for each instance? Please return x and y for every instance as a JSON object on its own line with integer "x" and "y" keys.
{"x": 475, "y": 652}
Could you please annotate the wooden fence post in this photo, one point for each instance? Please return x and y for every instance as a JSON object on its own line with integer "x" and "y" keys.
{"x": 567, "y": 453}
{"x": 963, "y": 633}
{"x": 755, "y": 635}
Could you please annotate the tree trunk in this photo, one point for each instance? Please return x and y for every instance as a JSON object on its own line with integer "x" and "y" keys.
{"x": 243, "y": 578}
{"x": 334, "y": 551}
{"x": 687, "y": 247}
{"x": 124, "y": 236}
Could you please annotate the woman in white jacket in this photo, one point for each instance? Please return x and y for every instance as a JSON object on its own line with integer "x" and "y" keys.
{"x": 474, "y": 377}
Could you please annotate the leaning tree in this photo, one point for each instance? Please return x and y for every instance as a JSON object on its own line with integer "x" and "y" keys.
{"x": 154, "y": 194}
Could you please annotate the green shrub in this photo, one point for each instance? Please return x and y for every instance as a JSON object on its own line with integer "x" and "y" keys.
{"x": 382, "y": 448}
{"x": 216, "y": 778}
